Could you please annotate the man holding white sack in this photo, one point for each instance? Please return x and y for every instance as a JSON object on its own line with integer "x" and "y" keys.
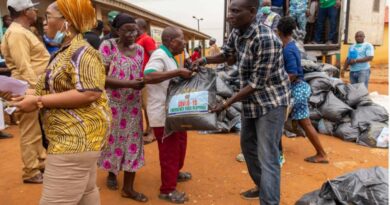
{"x": 27, "y": 59}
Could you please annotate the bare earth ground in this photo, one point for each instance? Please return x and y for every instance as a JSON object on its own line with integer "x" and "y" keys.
{"x": 217, "y": 177}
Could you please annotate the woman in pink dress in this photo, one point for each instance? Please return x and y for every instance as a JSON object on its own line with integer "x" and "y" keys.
{"x": 124, "y": 150}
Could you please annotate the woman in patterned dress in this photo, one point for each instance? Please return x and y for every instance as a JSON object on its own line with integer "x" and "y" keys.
{"x": 124, "y": 150}
{"x": 300, "y": 90}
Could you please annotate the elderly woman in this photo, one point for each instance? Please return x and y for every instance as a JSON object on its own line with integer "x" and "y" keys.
{"x": 73, "y": 106}
{"x": 123, "y": 59}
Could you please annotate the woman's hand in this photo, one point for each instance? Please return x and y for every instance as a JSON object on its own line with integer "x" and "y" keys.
{"x": 137, "y": 84}
{"x": 27, "y": 103}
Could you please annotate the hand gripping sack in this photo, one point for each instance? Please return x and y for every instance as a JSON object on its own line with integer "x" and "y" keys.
{"x": 189, "y": 101}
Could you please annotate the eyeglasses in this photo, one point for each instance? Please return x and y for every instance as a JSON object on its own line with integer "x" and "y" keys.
{"x": 128, "y": 33}
{"x": 47, "y": 16}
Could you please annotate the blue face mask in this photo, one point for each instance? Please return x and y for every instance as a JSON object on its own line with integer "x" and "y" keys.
{"x": 265, "y": 10}
{"x": 59, "y": 38}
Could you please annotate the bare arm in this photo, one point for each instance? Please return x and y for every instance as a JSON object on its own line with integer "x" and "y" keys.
{"x": 243, "y": 93}
{"x": 158, "y": 76}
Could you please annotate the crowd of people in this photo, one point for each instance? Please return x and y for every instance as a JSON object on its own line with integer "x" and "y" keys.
{"x": 309, "y": 15}
{"x": 83, "y": 108}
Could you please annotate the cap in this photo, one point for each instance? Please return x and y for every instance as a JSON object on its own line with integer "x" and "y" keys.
{"x": 20, "y": 5}
{"x": 213, "y": 39}
{"x": 112, "y": 15}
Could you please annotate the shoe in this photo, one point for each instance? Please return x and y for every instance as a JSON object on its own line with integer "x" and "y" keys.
{"x": 251, "y": 194}
{"x": 282, "y": 160}
{"x": 4, "y": 135}
{"x": 240, "y": 158}
{"x": 37, "y": 179}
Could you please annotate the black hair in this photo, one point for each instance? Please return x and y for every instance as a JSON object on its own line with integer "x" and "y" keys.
{"x": 287, "y": 25}
{"x": 14, "y": 14}
{"x": 142, "y": 23}
{"x": 253, "y": 3}
{"x": 99, "y": 25}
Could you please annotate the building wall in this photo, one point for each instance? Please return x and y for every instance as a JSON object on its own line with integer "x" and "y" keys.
{"x": 381, "y": 52}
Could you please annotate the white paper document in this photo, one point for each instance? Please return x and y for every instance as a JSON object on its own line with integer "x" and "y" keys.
{"x": 2, "y": 124}
{"x": 15, "y": 86}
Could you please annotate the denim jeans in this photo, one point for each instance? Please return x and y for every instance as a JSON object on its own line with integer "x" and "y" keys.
{"x": 260, "y": 139}
{"x": 362, "y": 76}
{"x": 323, "y": 14}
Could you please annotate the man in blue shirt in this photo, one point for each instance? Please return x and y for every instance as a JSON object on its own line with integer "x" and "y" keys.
{"x": 359, "y": 56}
{"x": 277, "y": 6}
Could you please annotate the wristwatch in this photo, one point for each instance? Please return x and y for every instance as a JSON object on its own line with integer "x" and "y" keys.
{"x": 39, "y": 102}
{"x": 225, "y": 105}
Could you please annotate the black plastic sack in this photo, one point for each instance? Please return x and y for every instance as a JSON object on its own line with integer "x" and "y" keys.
{"x": 310, "y": 66}
{"x": 335, "y": 82}
{"x": 232, "y": 113}
{"x": 317, "y": 100}
{"x": 222, "y": 89}
{"x": 367, "y": 114}
{"x": 237, "y": 106}
{"x": 313, "y": 198}
{"x": 370, "y": 133}
{"x": 325, "y": 127}
{"x": 331, "y": 70}
{"x": 310, "y": 76}
{"x": 319, "y": 85}
{"x": 361, "y": 187}
{"x": 341, "y": 92}
{"x": 356, "y": 93}
{"x": 334, "y": 109}
{"x": 347, "y": 132}
{"x": 189, "y": 102}
{"x": 294, "y": 127}
{"x": 315, "y": 114}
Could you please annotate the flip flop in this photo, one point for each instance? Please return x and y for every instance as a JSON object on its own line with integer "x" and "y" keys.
{"x": 174, "y": 197}
{"x": 313, "y": 160}
{"x": 137, "y": 197}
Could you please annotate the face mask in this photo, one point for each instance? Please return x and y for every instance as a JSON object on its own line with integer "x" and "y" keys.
{"x": 59, "y": 38}
{"x": 265, "y": 10}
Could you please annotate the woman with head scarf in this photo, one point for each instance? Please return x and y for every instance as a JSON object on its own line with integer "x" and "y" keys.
{"x": 123, "y": 59}
{"x": 73, "y": 106}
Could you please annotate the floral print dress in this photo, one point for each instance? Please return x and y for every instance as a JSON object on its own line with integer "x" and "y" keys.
{"x": 124, "y": 150}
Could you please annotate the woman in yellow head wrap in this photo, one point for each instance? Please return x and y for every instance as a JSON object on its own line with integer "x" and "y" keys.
{"x": 73, "y": 107}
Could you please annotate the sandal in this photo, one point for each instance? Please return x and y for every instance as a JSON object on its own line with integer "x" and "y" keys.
{"x": 174, "y": 197}
{"x": 184, "y": 176}
{"x": 137, "y": 197}
{"x": 313, "y": 159}
{"x": 112, "y": 184}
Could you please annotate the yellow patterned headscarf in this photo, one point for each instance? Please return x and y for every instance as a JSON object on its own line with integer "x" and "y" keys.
{"x": 78, "y": 12}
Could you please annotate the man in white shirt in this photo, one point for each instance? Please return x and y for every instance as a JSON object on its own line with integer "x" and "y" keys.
{"x": 162, "y": 67}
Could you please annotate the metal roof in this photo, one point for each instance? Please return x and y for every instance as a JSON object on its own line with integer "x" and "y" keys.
{"x": 155, "y": 18}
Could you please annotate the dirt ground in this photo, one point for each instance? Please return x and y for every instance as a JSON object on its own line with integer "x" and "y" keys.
{"x": 217, "y": 177}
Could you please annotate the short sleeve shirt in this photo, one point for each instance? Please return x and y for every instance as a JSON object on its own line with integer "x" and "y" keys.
{"x": 161, "y": 60}
{"x": 148, "y": 44}
{"x": 362, "y": 50}
{"x": 76, "y": 67}
{"x": 292, "y": 60}
{"x": 327, "y": 3}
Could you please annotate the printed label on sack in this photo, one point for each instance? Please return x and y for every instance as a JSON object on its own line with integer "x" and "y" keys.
{"x": 193, "y": 102}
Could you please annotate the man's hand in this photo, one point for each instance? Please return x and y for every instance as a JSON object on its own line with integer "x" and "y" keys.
{"x": 352, "y": 62}
{"x": 197, "y": 63}
{"x": 338, "y": 4}
{"x": 307, "y": 12}
{"x": 6, "y": 95}
{"x": 218, "y": 108}
{"x": 185, "y": 73}
{"x": 137, "y": 84}
{"x": 27, "y": 103}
